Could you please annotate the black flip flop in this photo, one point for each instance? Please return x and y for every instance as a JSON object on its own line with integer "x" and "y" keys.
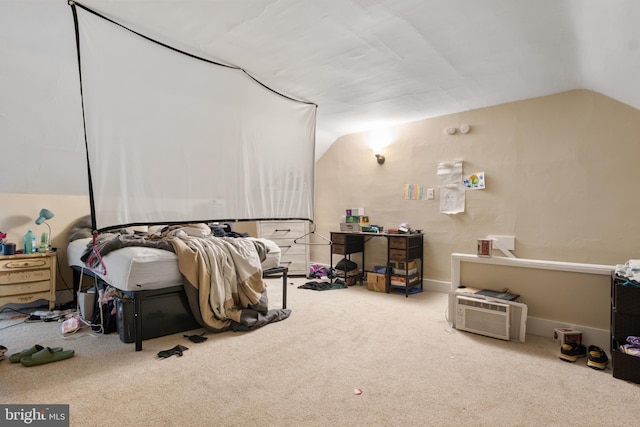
{"x": 177, "y": 350}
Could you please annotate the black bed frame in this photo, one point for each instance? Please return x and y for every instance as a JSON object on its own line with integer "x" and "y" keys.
{"x": 139, "y": 297}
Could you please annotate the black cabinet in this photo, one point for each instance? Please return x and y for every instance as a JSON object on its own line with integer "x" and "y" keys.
{"x": 625, "y": 322}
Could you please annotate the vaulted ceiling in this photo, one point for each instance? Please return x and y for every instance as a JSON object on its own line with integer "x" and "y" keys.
{"x": 370, "y": 63}
{"x": 365, "y": 63}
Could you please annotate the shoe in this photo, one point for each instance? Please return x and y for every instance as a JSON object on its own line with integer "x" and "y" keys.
{"x": 177, "y": 350}
{"x": 597, "y": 358}
{"x": 16, "y": 357}
{"x": 46, "y": 355}
{"x": 571, "y": 351}
{"x": 3, "y": 350}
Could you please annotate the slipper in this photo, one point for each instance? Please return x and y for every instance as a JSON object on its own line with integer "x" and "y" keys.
{"x": 177, "y": 350}
{"x": 16, "y": 357}
{"x": 46, "y": 355}
{"x": 196, "y": 338}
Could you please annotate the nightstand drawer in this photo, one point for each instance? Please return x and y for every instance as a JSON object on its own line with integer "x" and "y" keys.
{"x": 24, "y": 276}
{"x": 24, "y": 288}
{"x": 25, "y": 264}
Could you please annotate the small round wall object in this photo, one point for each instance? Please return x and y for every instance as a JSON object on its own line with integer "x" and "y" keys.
{"x": 465, "y": 128}
{"x": 357, "y": 391}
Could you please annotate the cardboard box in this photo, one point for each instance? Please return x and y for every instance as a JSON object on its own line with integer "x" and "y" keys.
{"x": 376, "y": 282}
{"x": 352, "y": 219}
{"x": 401, "y": 265}
{"x": 356, "y": 211}
{"x": 348, "y": 226}
{"x": 565, "y": 335}
{"x": 401, "y": 280}
{"x": 401, "y": 272}
{"x": 381, "y": 269}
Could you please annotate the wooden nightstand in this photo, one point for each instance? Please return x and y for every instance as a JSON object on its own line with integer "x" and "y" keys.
{"x": 28, "y": 278}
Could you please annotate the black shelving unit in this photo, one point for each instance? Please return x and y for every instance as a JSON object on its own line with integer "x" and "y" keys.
{"x": 625, "y": 322}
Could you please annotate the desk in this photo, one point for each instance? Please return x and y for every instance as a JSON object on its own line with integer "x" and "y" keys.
{"x": 400, "y": 248}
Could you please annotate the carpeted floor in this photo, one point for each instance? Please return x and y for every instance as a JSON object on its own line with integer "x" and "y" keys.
{"x": 412, "y": 370}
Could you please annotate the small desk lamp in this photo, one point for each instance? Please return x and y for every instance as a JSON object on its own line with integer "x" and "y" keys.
{"x": 45, "y": 214}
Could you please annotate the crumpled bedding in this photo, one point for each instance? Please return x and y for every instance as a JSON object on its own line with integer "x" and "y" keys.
{"x": 225, "y": 287}
{"x": 222, "y": 275}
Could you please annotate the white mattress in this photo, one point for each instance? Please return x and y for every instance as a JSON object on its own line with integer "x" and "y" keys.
{"x": 138, "y": 268}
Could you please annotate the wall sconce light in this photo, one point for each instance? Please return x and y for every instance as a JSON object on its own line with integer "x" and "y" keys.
{"x": 378, "y": 139}
{"x": 45, "y": 214}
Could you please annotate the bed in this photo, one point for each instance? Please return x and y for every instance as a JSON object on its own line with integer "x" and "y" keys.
{"x": 148, "y": 271}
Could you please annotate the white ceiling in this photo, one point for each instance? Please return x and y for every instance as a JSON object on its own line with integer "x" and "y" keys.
{"x": 370, "y": 63}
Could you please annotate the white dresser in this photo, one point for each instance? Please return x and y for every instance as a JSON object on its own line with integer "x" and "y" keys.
{"x": 283, "y": 233}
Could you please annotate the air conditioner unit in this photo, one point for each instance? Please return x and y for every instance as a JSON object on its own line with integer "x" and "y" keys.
{"x": 505, "y": 320}
{"x": 482, "y": 317}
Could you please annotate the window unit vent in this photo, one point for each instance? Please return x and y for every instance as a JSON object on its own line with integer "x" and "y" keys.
{"x": 482, "y": 317}
{"x": 501, "y": 319}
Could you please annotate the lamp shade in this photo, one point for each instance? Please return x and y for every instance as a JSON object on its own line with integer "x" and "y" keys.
{"x": 45, "y": 214}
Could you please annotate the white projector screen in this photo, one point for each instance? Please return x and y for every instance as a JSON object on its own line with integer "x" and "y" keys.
{"x": 174, "y": 138}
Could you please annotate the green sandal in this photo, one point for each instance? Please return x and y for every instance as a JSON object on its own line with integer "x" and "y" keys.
{"x": 16, "y": 357}
{"x": 46, "y": 355}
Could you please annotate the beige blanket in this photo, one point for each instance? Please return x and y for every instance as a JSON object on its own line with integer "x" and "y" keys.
{"x": 225, "y": 272}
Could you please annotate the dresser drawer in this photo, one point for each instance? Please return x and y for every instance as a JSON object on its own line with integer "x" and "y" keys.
{"x": 24, "y": 288}
{"x": 282, "y": 229}
{"x": 25, "y": 264}
{"x": 295, "y": 265}
{"x": 24, "y": 276}
{"x": 288, "y": 248}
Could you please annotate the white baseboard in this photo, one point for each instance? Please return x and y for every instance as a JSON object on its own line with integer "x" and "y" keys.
{"x": 436, "y": 286}
{"x": 535, "y": 325}
{"x": 590, "y": 336}
{"x": 542, "y": 327}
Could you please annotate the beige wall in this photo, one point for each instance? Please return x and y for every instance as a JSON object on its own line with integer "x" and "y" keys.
{"x": 19, "y": 212}
{"x": 560, "y": 173}
{"x": 567, "y": 297}
{"x": 561, "y": 177}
